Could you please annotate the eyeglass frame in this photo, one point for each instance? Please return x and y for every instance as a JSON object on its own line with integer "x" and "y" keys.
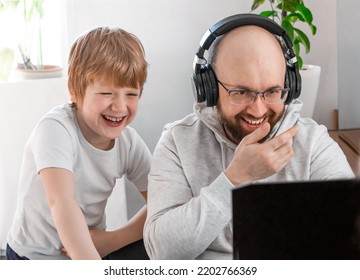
{"x": 261, "y": 93}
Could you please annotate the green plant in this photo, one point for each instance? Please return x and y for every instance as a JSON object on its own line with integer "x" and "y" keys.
{"x": 6, "y": 44}
{"x": 28, "y": 15}
{"x": 6, "y": 61}
{"x": 32, "y": 12}
{"x": 287, "y": 13}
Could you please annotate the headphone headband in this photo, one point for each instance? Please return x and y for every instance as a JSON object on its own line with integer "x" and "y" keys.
{"x": 203, "y": 71}
{"x": 231, "y": 22}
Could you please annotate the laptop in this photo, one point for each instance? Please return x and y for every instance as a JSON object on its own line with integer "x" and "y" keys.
{"x": 297, "y": 220}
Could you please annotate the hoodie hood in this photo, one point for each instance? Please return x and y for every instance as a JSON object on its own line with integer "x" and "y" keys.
{"x": 209, "y": 116}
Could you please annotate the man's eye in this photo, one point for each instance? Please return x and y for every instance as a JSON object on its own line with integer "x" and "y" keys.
{"x": 273, "y": 91}
{"x": 106, "y": 93}
{"x": 241, "y": 92}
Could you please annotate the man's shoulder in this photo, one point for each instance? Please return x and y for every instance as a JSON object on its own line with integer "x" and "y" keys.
{"x": 310, "y": 130}
{"x": 188, "y": 121}
{"x": 310, "y": 124}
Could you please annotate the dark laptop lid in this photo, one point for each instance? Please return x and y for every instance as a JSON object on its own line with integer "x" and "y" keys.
{"x": 297, "y": 220}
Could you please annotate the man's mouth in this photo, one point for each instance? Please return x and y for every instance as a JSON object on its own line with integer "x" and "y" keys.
{"x": 254, "y": 122}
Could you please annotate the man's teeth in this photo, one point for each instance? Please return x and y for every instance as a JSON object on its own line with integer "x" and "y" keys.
{"x": 113, "y": 119}
{"x": 257, "y": 122}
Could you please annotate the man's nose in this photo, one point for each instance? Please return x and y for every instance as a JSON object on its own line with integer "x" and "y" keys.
{"x": 258, "y": 107}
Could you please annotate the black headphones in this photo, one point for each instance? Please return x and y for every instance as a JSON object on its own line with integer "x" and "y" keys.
{"x": 205, "y": 85}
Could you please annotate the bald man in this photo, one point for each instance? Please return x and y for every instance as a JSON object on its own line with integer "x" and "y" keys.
{"x": 248, "y": 136}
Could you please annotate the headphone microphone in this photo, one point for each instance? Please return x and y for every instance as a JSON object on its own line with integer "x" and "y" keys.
{"x": 204, "y": 81}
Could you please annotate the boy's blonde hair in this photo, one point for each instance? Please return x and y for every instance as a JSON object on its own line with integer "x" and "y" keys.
{"x": 107, "y": 54}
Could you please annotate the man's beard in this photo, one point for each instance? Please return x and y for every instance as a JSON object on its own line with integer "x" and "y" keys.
{"x": 232, "y": 127}
{"x": 234, "y": 131}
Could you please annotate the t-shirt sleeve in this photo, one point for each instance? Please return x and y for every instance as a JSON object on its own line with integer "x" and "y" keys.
{"x": 52, "y": 146}
{"x": 139, "y": 162}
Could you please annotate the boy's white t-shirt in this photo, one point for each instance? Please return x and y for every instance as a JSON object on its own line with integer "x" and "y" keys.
{"x": 58, "y": 142}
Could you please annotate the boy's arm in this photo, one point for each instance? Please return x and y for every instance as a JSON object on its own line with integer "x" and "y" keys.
{"x": 66, "y": 213}
{"x": 109, "y": 241}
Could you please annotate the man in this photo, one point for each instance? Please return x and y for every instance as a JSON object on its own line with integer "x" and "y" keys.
{"x": 251, "y": 132}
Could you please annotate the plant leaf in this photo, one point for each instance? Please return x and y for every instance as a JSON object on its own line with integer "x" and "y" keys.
{"x": 6, "y": 62}
{"x": 268, "y": 13}
{"x": 289, "y": 28}
{"x": 305, "y": 12}
{"x": 256, "y": 4}
{"x": 293, "y": 17}
{"x": 296, "y": 47}
{"x": 313, "y": 29}
{"x": 285, "y": 5}
{"x": 300, "y": 61}
{"x": 303, "y": 39}
{"x": 4, "y": 4}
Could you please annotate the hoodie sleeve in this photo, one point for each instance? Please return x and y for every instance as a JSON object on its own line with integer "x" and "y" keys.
{"x": 181, "y": 225}
{"x": 328, "y": 160}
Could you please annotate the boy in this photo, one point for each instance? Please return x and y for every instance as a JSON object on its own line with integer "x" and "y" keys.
{"x": 78, "y": 150}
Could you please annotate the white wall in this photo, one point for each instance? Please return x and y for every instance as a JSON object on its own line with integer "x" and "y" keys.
{"x": 324, "y": 53}
{"x": 348, "y": 63}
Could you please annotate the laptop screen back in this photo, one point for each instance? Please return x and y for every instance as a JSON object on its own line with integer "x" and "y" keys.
{"x": 298, "y": 220}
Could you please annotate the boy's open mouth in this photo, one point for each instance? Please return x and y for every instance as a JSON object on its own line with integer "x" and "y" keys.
{"x": 113, "y": 121}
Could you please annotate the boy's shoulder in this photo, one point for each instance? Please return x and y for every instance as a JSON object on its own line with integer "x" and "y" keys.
{"x": 60, "y": 112}
{"x": 129, "y": 134}
{"x": 61, "y": 115}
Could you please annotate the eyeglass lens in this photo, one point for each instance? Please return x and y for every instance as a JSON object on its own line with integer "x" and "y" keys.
{"x": 246, "y": 97}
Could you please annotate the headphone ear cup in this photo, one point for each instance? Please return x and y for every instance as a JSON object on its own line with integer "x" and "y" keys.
{"x": 289, "y": 84}
{"x": 211, "y": 86}
{"x": 198, "y": 88}
{"x": 293, "y": 81}
{"x": 297, "y": 83}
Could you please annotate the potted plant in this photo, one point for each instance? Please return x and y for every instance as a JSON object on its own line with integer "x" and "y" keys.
{"x": 28, "y": 15}
{"x": 288, "y": 13}
{"x": 6, "y": 44}
{"x": 30, "y": 45}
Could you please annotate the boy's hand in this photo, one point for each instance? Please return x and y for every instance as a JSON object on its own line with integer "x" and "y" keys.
{"x": 100, "y": 239}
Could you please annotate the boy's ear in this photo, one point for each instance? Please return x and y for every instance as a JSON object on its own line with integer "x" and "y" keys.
{"x": 72, "y": 97}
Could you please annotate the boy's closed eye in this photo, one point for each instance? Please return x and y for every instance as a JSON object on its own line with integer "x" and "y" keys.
{"x": 133, "y": 94}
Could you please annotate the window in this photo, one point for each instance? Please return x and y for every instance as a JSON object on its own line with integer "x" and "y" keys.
{"x": 40, "y": 36}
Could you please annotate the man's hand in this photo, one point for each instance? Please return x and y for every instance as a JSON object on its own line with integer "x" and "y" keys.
{"x": 254, "y": 161}
{"x": 102, "y": 241}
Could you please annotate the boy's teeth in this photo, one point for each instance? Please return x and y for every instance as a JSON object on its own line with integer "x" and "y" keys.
{"x": 112, "y": 119}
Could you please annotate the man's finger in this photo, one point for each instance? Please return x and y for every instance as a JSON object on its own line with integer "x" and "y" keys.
{"x": 283, "y": 138}
{"x": 257, "y": 135}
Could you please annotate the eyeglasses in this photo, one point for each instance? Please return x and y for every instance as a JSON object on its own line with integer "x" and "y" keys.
{"x": 245, "y": 96}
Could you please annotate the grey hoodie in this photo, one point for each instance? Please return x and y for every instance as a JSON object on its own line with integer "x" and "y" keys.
{"x": 189, "y": 197}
